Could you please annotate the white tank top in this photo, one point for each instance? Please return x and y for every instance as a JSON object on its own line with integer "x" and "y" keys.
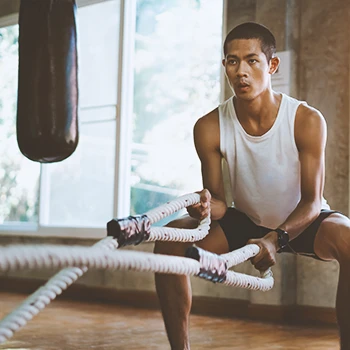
{"x": 264, "y": 171}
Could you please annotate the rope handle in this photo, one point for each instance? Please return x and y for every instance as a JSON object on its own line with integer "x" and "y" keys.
{"x": 214, "y": 267}
{"x": 134, "y": 230}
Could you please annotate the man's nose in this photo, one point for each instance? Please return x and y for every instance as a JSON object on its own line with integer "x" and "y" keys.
{"x": 241, "y": 70}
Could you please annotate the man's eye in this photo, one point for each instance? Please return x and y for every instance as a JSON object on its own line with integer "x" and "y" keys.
{"x": 252, "y": 61}
{"x": 232, "y": 61}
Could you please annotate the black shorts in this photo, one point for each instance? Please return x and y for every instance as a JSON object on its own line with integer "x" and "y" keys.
{"x": 239, "y": 228}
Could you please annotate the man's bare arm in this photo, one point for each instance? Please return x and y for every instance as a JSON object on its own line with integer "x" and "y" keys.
{"x": 310, "y": 137}
{"x": 207, "y": 143}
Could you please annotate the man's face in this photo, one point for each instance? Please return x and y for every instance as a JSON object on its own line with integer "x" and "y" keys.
{"x": 247, "y": 69}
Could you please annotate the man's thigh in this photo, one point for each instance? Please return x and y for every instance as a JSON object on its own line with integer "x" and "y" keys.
{"x": 215, "y": 241}
{"x": 332, "y": 235}
{"x": 304, "y": 243}
{"x": 239, "y": 228}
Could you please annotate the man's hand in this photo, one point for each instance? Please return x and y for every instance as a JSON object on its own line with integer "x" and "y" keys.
{"x": 268, "y": 248}
{"x": 202, "y": 209}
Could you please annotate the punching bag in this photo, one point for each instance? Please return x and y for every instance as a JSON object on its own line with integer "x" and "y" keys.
{"x": 47, "y": 105}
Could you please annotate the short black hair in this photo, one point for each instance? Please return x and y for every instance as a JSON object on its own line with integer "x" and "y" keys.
{"x": 252, "y": 30}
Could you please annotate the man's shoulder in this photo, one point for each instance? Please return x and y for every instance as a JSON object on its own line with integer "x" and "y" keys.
{"x": 304, "y": 110}
{"x": 209, "y": 120}
{"x": 307, "y": 115}
{"x": 310, "y": 126}
{"x": 207, "y": 130}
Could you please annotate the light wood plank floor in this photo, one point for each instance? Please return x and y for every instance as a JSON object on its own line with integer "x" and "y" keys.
{"x": 68, "y": 325}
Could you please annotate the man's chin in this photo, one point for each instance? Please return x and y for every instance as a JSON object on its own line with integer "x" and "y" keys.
{"x": 244, "y": 95}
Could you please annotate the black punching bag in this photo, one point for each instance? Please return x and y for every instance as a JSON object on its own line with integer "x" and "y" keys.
{"x": 47, "y": 122}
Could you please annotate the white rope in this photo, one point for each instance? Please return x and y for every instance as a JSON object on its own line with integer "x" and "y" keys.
{"x": 96, "y": 258}
{"x": 180, "y": 235}
{"x": 44, "y": 295}
{"x": 176, "y": 234}
{"x": 61, "y": 281}
{"x": 63, "y": 256}
{"x": 241, "y": 255}
{"x": 101, "y": 256}
{"x": 50, "y": 256}
{"x": 172, "y": 207}
{"x": 236, "y": 279}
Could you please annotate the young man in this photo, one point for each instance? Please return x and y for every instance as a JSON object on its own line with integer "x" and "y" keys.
{"x": 275, "y": 149}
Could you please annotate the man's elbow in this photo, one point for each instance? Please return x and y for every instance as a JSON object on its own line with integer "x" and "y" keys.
{"x": 313, "y": 205}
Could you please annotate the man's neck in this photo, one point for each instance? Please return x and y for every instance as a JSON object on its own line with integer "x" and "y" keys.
{"x": 262, "y": 108}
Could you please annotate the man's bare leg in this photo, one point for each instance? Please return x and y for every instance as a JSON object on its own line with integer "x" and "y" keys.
{"x": 343, "y": 306}
{"x": 333, "y": 243}
{"x": 174, "y": 291}
{"x": 175, "y": 297}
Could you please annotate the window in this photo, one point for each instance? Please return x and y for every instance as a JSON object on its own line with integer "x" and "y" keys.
{"x": 177, "y": 80}
{"x": 79, "y": 192}
{"x": 19, "y": 177}
{"x": 173, "y": 57}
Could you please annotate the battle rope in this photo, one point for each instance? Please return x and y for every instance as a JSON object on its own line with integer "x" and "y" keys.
{"x": 208, "y": 265}
{"x": 62, "y": 280}
{"x": 131, "y": 230}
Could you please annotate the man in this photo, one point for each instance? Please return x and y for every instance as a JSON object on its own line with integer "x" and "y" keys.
{"x": 274, "y": 146}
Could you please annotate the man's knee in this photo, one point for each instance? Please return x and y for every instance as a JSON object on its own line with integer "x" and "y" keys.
{"x": 333, "y": 238}
{"x": 342, "y": 245}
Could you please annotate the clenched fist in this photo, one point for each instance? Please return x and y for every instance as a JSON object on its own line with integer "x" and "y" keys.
{"x": 268, "y": 249}
{"x": 202, "y": 209}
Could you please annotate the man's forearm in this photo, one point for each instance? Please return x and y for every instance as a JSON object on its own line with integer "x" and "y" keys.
{"x": 303, "y": 215}
{"x": 217, "y": 208}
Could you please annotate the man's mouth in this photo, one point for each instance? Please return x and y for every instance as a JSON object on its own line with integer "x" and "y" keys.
{"x": 243, "y": 86}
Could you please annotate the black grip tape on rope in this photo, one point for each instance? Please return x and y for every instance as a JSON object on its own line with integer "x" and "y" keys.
{"x": 132, "y": 230}
{"x": 47, "y": 117}
{"x": 212, "y": 266}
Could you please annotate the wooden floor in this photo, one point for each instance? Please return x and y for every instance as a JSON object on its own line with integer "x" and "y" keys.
{"x": 68, "y": 325}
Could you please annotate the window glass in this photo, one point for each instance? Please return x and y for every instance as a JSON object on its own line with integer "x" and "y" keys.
{"x": 79, "y": 191}
{"x": 98, "y": 28}
{"x": 177, "y": 80}
{"x": 19, "y": 177}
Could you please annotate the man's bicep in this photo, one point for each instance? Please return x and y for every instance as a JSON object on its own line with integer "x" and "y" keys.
{"x": 212, "y": 174}
{"x": 311, "y": 144}
{"x": 207, "y": 142}
{"x": 312, "y": 176}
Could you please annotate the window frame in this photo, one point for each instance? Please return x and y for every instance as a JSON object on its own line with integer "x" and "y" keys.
{"x": 124, "y": 108}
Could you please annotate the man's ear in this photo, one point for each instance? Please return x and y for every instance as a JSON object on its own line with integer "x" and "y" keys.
{"x": 223, "y": 62}
{"x": 274, "y": 64}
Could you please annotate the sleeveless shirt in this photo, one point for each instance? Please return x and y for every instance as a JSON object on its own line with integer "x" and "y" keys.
{"x": 264, "y": 171}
